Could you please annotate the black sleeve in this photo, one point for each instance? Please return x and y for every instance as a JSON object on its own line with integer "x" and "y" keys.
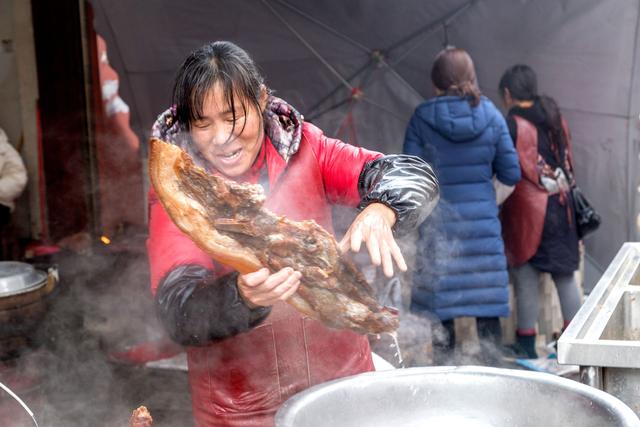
{"x": 197, "y": 308}
{"x": 407, "y": 184}
{"x": 513, "y": 128}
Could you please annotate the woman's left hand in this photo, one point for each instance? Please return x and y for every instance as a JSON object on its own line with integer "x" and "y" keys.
{"x": 373, "y": 226}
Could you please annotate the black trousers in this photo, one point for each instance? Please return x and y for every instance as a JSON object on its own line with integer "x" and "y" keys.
{"x": 5, "y": 216}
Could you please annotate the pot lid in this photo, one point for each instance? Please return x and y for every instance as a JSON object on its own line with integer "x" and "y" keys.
{"x": 19, "y": 277}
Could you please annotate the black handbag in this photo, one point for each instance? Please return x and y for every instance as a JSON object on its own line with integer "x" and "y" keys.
{"x": 587, "y": 219}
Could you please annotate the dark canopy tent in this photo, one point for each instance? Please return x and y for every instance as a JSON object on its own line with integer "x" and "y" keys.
{"x": 358, "y": 68}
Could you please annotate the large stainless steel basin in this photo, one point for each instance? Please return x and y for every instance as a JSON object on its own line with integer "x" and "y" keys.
{"x": 454, "y": 397}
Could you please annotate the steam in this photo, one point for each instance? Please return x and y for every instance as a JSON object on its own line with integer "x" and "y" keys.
{"x": 20, "y": 401}
{"x": 101, "y": 305}
{"x": 420, "y": 334}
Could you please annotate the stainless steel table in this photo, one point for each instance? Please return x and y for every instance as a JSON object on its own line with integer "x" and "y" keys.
{"x": 604, "y": 336}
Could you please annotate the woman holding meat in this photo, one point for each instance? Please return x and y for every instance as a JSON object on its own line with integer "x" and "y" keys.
{"x": 248, "y": 350}
{"x": 460, "y": 267}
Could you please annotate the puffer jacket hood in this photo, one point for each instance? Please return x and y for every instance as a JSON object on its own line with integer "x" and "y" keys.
{"x": 455, "y": 119}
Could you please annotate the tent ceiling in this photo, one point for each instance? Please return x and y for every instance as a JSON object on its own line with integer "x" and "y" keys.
{"x": 583, "y": 50}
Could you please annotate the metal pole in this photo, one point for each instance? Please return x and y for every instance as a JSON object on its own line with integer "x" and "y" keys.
{"x": 308, "y": 46}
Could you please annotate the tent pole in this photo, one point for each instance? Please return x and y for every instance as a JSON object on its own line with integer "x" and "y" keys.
{"x": 420, "y": 32}
{"x": 326, "y": 27}
{"x": 337, "y": 88}
{"x": 331, "y": 108}
{"x": 445, "y": 30}
{"x": 447, "y": 19}
{"x": 308, "y": 46}
{"x": 402, "y": 80}
{"x": 424, "y": 31}
{"x": 383, "y": 108}
{"x": 428, "y": 30}
{"x": 344, "y": 119}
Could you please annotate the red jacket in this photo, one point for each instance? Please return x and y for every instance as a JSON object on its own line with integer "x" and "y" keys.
{"x": 243, "y": 379}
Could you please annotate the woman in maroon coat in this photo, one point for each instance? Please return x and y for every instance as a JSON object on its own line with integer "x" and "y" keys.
{"x": 539, "y": 226}
{"x": 248, "y": 350}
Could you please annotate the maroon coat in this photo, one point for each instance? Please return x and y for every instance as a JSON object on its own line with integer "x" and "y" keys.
{"x": 523, "y": 213}
{"x": 243, "y": 379}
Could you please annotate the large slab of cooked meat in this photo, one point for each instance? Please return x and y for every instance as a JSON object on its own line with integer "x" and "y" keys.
{"x": 228, "y": 221}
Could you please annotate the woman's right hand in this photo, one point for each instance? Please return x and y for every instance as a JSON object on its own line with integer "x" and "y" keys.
{"x": 261, "y": 288}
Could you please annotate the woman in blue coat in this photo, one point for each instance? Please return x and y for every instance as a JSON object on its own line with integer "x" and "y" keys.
{"x": 461, "y": 268}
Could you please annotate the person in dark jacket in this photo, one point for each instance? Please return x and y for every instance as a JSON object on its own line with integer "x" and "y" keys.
{"x": 539, "y": 220}
{"x": 460, "y": 263}
{"x": 248, "y": 351}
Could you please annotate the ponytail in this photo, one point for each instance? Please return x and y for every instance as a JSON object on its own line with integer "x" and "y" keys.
{"x": 554, "y": 120}
{"x": 454, "y": 74}
{"x": 465, "y": 90}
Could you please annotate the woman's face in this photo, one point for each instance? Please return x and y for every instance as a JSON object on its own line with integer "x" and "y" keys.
{"x": 231, "y": 148}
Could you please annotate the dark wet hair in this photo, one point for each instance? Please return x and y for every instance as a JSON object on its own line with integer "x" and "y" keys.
{"x": 454, "y": 74}
{"x": 522, "y": 83}
{"x": 222, "y": 62}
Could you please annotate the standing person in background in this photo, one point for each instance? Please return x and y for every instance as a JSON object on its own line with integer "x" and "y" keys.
{"x": 247, "y": 349}
{"x": 460, "y": 263}
{"x": 13, "y": 179}
{"x": 538, "y": 218}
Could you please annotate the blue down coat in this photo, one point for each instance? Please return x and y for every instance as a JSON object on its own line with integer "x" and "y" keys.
{"x": 461, "y": 268}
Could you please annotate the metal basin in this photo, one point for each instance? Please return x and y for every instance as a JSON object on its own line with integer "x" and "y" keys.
{"x": 454, "y": 397}
{"x": 19, "y": 277}
{"x": 23, "y": 304}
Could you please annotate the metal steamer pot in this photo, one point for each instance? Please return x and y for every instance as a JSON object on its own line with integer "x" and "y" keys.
{"x": 467, "y": 396}
{"x": 23, "y": 289}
